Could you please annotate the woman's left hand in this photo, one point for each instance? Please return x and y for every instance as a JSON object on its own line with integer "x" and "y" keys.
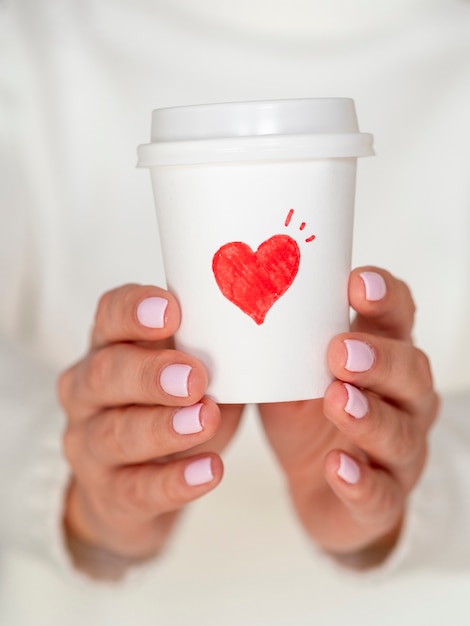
{"x": 352, "y": 458}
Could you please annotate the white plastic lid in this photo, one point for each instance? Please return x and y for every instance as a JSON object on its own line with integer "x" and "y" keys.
{"x": 260, "y": 130}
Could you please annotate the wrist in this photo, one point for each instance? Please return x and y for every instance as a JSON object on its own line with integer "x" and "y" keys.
{"x": 104, "y": 551}
{"x": 371, "y": 555}
{"x": 96, "y": 562}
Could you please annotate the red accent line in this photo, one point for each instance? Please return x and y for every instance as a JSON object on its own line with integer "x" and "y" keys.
{"x": 302, "y": 226}
{"x": 311, "y": 238}
{"x": 289, "y": 217}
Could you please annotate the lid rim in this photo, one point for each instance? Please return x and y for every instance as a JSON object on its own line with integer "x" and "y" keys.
{"x": 255, "y": 148}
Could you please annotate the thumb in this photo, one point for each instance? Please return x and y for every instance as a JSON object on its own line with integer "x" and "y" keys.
{"x": 383, "y": 303}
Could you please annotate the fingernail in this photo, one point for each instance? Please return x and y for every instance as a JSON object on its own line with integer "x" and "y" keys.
{"x": 361, "y": 357}
{"x": 186, "y": 420}
{"x": 348, "y": 469}
{"x": 151, "y": 312}
{"x": 357, "y": 404}
{"x": 174, "y": 380}
{"x": 375, "y": 286}
{"x": 199, "y": 472}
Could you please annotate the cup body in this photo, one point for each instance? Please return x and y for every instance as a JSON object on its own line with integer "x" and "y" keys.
{"x": 257, "y": 249}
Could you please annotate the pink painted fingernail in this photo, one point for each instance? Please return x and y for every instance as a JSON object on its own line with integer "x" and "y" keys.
{"x": 199, "y": 472}
{"x": 361, "y": 357}
{"x": 357, "y": 404}
{"x": 375, "y": 286}
{"x": 186, "y": 421}
{"x": 174, "y": 380}
{"x": 348, "y": 469}
{"x": 151, "y": 312}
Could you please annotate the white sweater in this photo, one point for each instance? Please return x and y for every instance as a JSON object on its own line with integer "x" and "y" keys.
{"x": 78, "y": 80}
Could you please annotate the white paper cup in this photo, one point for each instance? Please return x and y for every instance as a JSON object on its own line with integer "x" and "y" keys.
{"x": 255, "y": 209}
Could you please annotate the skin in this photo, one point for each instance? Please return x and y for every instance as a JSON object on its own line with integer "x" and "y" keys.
{"x": 360, "y": 522}
{"x": 127, "y": 462}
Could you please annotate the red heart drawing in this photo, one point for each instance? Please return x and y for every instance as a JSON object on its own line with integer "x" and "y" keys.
{"x": 253, "y": 281}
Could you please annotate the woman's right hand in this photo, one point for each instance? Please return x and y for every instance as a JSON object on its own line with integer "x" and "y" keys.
{"x": 141, "y": 439}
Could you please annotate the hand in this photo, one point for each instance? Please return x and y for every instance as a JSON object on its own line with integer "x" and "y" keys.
{"x": 352, "y": 458}
{"x": 139, "y": 427}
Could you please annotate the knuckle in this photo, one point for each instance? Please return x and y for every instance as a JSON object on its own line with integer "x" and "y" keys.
{"x": 406, "y": 445}
{"x": 427, "y": 413}
{"x": 171, "y": 492}
{"x": 422, "y": 368}
{"x": 434, "y": 409}
{"x": 385, "y": 500}
{"x": 103, "y": 307}
{"x": 376, "y": 436}
{"x": 147, "y": 375}
{"x": 97, "y": 371}
{"x": 410, "y": 478}
{"x": 408, "y": 296}
{"x": 156, "y": 434}
{"x": 67, "y": 388}
{"x": 108, "y": 302}
{"x": 65, "y": 383}
{"x": 397, "y": 440}
{"x": 115, "y": 437}
{"x": 71, "y": 446}
{"x": 128, "y": 293}
{"x": 387, "y": 503}
{"x": 132, "y": 491}
{"x": 106, "y": 438}
{"x": 386, "y": 366}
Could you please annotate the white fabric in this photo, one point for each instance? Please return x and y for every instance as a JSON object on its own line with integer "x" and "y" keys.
{"x": 78, "y": 80}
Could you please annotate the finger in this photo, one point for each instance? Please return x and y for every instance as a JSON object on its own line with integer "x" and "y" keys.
{"x": 230, "y": 416}
{"x": 384, "y": 304}
{"x": 135, "y": 313}
{"x": 373, "y": 498}
{"x": 137, "y": 434}
{"x": 394, "y": 369}
{"x": 149, "y": 490}
{"x": 387, "y": 434}
{"x": 122, "y": 374}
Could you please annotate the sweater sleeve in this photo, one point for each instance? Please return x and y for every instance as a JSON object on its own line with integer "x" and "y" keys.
{"x": 436, "y": 530}
{"x": 33, "y": 473}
